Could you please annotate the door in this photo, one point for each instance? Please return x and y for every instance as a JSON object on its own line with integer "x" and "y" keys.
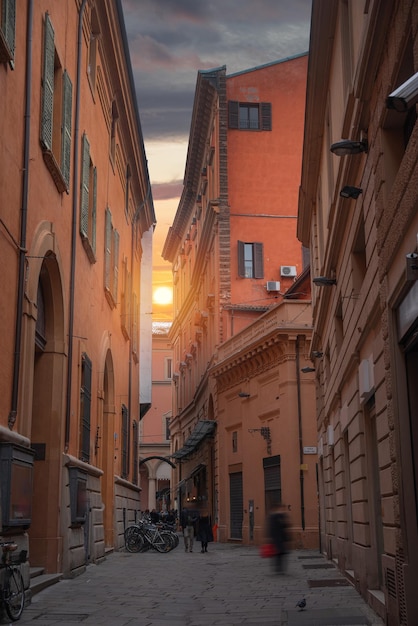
{"x": 236, "y": 505}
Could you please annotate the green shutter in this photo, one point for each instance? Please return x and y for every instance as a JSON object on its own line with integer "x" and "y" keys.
{"x": 116, "y": 265}
{"x": 233, "y": 114}
{"x": 85, "y": 179}
{"x": 66, "y": 128}
{"x": 94, "y": 212}
{"x": 48, "y": 85}
{"x": 108, "y": 243}
{"x": 8, "y": 24}
{"x": 241, "y": 266}
{"x": 86, "y": 406}
{"x": 258, "y": 260}
{"x": 266, "y": 116}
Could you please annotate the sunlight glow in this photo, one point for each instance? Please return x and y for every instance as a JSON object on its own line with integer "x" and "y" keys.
{"x": 163, "y": 295}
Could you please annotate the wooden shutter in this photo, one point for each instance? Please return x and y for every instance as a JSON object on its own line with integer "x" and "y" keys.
{"x": 48, "y": 85}
{"x": 233, "y": 114}
{"x": 86, "y": 407}
{"x": 241, "y": 265}
{"x": 115, "y": 266}
{"x": 85, "y": 181}
{"x": 108, "y": 243}
{"x": 125, "y": 441}
{"x": 8, "y": 24}
{"x": 258, "y": 260}
{"x": 66, "y": 128}
{"x": 266, "y": 116}
{"x": 94, "y": 212}
{"x": 135, "y": 453}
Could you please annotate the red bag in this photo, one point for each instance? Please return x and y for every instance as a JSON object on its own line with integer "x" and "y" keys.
{"x": 267, "y": 550}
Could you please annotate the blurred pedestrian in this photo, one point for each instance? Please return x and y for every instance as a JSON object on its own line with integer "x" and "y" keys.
{"x": 188, "y": 523}
{"x": 279, "y": 536}
{"x": 204, "y": 529}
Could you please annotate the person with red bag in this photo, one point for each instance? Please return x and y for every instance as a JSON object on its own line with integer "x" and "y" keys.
{"x": 278, "y": 527}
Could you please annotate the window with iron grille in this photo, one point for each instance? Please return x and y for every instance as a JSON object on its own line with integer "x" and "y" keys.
{"x": 250, "y": 260}
{"x": 249, "y": 115}
{"x": 135, "y": 467}
{"x": 85, "y": 407}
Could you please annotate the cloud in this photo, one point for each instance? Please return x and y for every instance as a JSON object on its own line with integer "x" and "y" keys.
{"x": 170, "y": 40}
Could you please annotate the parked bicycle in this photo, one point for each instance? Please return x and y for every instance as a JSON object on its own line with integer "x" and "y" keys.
{"x": 143, "y": 536}
{"x": 12, "y": 591}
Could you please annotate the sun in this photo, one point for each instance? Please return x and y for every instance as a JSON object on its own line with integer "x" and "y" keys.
{"x": 163, "y": 295}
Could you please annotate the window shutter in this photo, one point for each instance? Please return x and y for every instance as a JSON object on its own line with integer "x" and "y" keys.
{"x": 108, "y": 243}
{"x": 258, "y": 261}
{"x": 241, "y": 266}
{"x": 86, "y": 406}
{"x": 125, "y": 441}
{"x": 94, "y": 212}
{"x": 8, "y": 24}
{"x": 115, "y": 266}
{"x": 233, "y": 114}
{"x": 266, "y": 116}
{"x": 66, "y": 128}
{"x": 84, "y": 209}
{"x": 48, "y": 85}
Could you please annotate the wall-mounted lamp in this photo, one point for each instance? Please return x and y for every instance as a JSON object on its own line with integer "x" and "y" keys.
{"x": 350, "y": 192}
{"x": 405, "y": 96}
{"x": 346, "y": 146}
{"x": 412, "y": 266}
{"x": 317, "y": 354}
{"x": 243, "y": 394}
{"x": 307, "y": 369}
{"x": 324, "y": 281}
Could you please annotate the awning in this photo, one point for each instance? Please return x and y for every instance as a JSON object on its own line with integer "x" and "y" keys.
{"x": 204, "y": 428}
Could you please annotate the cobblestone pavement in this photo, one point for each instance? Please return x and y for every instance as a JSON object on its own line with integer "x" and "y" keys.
{"x": 229, "y": 586}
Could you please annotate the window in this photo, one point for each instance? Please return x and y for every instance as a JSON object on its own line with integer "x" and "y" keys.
{"x": 125, "y": 316}
{"x": 135, "y": 465}
{"x": 249, "y": 115}
{"x": 113, "y": 130}
{"x": 168, "y": 368}
{"x": 56, "y": 113}
{"x": 235, "y": 441}
{"x": 111, "y": 260}
{"x": 88, "y": 202}
{"x": 167, "y": 428}
{"x": 7, "y": 31}
{"x": 85, "y": 407}
{"x": 125, "y": 441}
{"x": 93, "y": 45}
{"x": 250, "y": 260}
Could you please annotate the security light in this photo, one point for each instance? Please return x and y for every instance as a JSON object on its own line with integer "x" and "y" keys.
{"x": 317, "y": 354}
{"x": 242, "y": 394}
{"x": 405, "y": 96}
{"x": 307, "y": 369}
{"x": 346, "y": 146}
{"x": 350, "y": 192}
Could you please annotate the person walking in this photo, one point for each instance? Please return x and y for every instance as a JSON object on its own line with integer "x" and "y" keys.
{"x": 279, "y": 536}
{"x": 188, "y": 522}
{"x": 204, "y": 530}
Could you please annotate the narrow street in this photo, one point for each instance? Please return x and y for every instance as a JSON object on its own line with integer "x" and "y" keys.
{"x": 230, "y": 585}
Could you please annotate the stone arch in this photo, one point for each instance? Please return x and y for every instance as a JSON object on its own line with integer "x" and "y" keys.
{"x": 44, "y": 358}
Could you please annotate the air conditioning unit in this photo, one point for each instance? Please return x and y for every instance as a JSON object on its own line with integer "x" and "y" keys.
{"x": 273, "y": 285}
{"x": 288, "y": 270}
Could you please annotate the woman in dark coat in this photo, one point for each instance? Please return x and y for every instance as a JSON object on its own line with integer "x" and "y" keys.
{"x": 204, "y": 532}
{"x": 279, "y": 536}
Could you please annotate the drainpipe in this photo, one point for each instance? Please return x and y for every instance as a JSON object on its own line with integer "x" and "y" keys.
{"x": 301, "y": 476}
{"x": 74, "y": 229}
{"x": 23, "y": 223}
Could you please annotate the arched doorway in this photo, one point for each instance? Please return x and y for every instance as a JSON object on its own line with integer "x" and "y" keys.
{"x": 47, "y": 423}
{"x": 107, "y": 457}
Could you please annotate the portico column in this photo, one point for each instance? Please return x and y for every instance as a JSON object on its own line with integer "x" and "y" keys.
{"x": 151, "y": 493}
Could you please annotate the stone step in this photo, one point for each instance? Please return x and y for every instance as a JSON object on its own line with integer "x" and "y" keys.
{"x": 41, "y": 581}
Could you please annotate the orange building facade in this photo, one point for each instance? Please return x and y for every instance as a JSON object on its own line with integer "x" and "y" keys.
{"x": 76, "y": 223}
{"x": 155, "y": 464}
{"x": 235, "y": 254}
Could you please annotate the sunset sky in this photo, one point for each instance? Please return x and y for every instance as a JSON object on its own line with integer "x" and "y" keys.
{"x": 170, "y": 40}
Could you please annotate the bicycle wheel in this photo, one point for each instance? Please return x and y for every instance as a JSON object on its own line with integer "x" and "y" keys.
{"x": 14, "y": 593}
{"x": 134, "y": 541}
{"x": 162, "y": 542}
